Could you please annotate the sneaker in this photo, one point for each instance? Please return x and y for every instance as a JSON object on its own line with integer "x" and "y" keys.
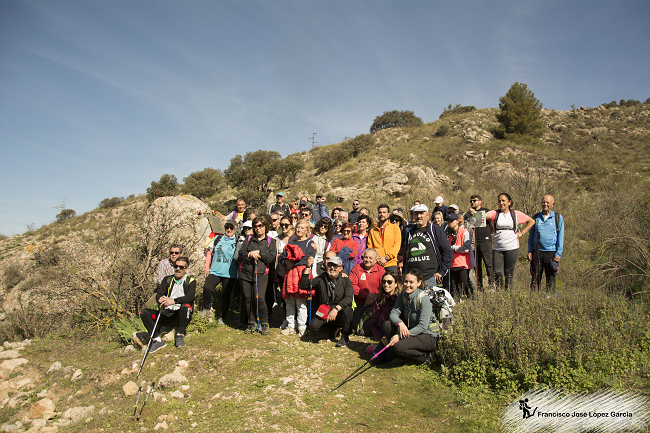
{"x": 178, "y": 341}
{"x": 284, "y": 324}
{"x": 156, "y": 346}
{"x": 288, "y": 331}
{"x": 264, "y": 330}
{"x": 220, "y": 322}
{"x": 343, "y": 342}
{"x": 301, "y": 332}
{"x": 252, "y": 328}
{"x": 207, "y": 314}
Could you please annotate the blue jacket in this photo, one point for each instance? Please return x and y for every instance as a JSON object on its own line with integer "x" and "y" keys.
{"x": 546, "y": 234}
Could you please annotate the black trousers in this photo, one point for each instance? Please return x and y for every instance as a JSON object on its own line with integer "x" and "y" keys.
{"x": 343, "y": 320}
{"x": 228, "y": 285}
{"x": 180, "y": 317}
{"x": 459, "y": 282}
{"x": 544, "y": 266}
{"x": 415, "y": 347}
{"x": 504, "y": 264}
{"x": 483, "y": 255}
{"x": 250, "y": 303}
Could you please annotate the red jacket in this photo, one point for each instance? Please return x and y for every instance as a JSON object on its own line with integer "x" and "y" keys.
{"x": 338, "y": 244}
{"x": 364, "y": 283}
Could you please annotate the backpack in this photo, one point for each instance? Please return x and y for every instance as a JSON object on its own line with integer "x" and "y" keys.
{"x": 438, "y": 301}
{"x": 557, "y": 220}
{"x": 514, "y": 221}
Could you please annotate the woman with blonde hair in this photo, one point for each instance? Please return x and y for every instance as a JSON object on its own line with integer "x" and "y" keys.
{"x": 298, "y": 254}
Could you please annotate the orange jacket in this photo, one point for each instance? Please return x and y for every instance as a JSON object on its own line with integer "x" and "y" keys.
{"x": 389, "y": 245}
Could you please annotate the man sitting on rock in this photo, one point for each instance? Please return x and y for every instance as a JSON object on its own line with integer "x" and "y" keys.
{"x": 175, "y": 297}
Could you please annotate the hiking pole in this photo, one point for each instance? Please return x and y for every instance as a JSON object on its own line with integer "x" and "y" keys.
{"x": 148, "y": 346}
{"x": 135, "y": 406}
{"x": 153, "y": 384}
{"x": 257, "y": 299}
{"x": 310, "y": 296}
{"x": 358, "y": 369}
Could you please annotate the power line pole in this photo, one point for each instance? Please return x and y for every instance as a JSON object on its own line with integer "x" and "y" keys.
{"x": 313, "y": 140}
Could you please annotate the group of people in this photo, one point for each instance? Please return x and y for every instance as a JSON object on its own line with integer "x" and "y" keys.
{"x": 342, "y": 272}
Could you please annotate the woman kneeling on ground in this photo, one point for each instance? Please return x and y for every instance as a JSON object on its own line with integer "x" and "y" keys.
{"x": 410, "y": 338}
{"x": 389, "y": 291}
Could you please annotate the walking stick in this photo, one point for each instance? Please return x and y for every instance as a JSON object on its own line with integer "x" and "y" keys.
{"x": 153, "y": 384}
{"x": 358, "y": 369}
{"x": 310, "y": 296}
{"x": 257, "y": 299}
{"x": 135, "y": 406}
{"x": 148, "y": 346}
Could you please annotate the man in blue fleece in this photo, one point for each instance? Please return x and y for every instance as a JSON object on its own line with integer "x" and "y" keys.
{"x": 545, "y": 245}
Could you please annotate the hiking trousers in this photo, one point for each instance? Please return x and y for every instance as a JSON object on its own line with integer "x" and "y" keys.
{"x": 415, "y": 348}
{"x": 483, "y": 255}
{"x": 343, "y": 320}
{"x": 227, "y": 287}
{"x": 250, "y": 303}
{"x": 504, "y": 265}
{"x": 171, "y": 318}
{"x": 546, "y": 267}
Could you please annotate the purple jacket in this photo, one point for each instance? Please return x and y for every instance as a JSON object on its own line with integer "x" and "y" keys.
{"x": 363, "y": 244}
{"x": 380, "y": 314}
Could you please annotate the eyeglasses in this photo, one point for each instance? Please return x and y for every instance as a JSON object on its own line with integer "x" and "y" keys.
{"x": 257, "y": 226}
{"x": 347, "y": 231}
{"x": 179, "y": 267}
{"x": 285, "y": 225}
{"x": 174, "y": 252}
{"x": 388, "y": 282}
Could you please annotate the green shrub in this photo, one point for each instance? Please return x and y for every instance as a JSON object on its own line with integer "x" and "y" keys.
{"x": 521, "y": 112}
{"x": 442, "y": 130}
{"x": 65, "y": 214}
{"x": 109, "y": 203}
{"x": 203, "y": 184}
{"x": 360, "y": 144}
{"x": 457, "y": 109}
{"x": 516, "y": 340}
{"x": 393, "y": 119}
{"x": 12, "y": 276}
{"x": 166, "y": 186}
{"x": 332, "y": 157}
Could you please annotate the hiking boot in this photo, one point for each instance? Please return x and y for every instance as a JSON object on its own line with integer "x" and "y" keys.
{"x": 178, "y": 341}
{"x": 265, "y": 330}
{"x": 343, "y": 342}
{"x": 207, "y": 314}
{"x": 156, "y": 346}
{"x": 334, "y": 334}
{"x": 284, "y": 325}
{"x": 252, "y": 328}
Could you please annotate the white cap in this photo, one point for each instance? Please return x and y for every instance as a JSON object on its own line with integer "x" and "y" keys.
{"x": 438, "y": 199}
{"x": 453, "y": 206}
{"x": 420, "y": 208}
{"x": 248, "y": 224}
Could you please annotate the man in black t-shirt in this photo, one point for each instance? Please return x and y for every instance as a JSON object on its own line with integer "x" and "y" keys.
{"x": 425, "y": 247}
{"x": 483, "y": 241}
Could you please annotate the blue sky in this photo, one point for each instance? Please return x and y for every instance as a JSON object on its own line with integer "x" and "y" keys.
{"x": 99, "y": 98}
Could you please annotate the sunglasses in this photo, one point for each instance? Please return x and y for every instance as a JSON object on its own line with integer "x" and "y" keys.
{"x": 174, "y": 252}
{"x": 285, "y": 225}
{"x": 332, "y": 265}
{"x": 274, "y": 219}
{"x": 388, "y": 281}
{"x": 230, "y": 228}
{"x": 338, "y": 225}
{"x": 257, "y": 226}
{"x": 179, "y": 267}
{"x": 347, "y": 231}
{"x": 473, "y": 201}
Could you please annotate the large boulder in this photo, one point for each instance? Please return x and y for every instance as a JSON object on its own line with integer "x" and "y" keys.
{"x": 180, "y": 219}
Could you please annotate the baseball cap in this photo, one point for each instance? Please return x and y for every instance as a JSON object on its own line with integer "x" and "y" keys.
{"x": 420, "y": 208}
{"x": 438, "y": 199}
{"x": 281, "y": 194}
{"x": 248, "y": 224}
{"x": 452, "y": 217}
{"x": 303, "y": 203}
{"x": 229, "y": 223}
{"x": 453, "y": 206}
{"x": 336, "y": 260}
